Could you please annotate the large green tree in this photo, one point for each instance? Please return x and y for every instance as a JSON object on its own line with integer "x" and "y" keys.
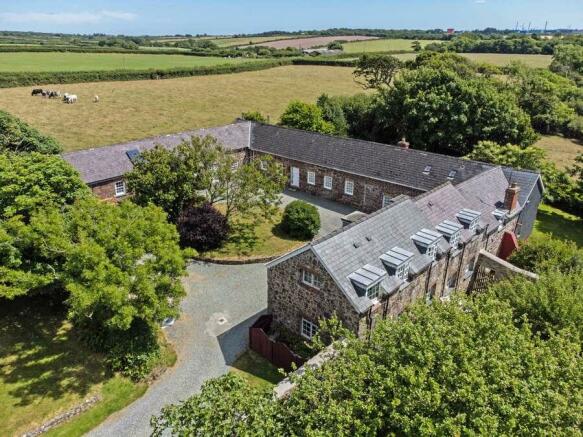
{"x": 32, "y": 180}
{"x": 306, "y": 116}
{"x": 568, "y": 61}
{"x": 377, "y": 71}
{"x": 17, "y": 136}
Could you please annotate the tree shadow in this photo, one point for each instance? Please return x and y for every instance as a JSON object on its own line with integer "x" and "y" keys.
{"x": 40, "y": 354}
{"x": 244, "y": 236}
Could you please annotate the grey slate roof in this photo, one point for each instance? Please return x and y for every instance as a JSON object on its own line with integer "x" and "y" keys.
{"x": 352, "y": 247}
{"x": 380, "y": 161}
{"x": 527, "y": 180}
{"x": 110, "y": 162}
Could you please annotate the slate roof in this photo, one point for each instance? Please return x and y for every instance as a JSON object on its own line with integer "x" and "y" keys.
{"x": 362, "y": 243}
{"x": 375, "y": 160}
{"x": 527, "y": 180}
{"x": 110, "y": 162}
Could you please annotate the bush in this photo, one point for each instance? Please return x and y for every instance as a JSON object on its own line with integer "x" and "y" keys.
{"x": 254, "y": 116}
{"x": 17, "y": 136}
{"x": 542, "y": 253}
{"x": 203, "y": 228}
{"x": 300, "y": 220}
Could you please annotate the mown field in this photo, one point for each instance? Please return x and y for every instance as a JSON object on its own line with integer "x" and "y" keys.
{"x": 137, "y": 109}
{"x": 57, "y": 61}
{"x": 381, "y": 45}
{"x": 560, "y": 149}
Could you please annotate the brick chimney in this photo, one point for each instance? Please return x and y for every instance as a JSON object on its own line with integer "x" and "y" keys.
{"x": 403, "y": 143}
{"x": 511, "y": 197}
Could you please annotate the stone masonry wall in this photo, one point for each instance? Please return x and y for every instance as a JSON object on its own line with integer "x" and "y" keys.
{"x": 368, "y": 192}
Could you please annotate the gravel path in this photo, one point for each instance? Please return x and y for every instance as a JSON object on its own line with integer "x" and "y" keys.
{"x": 222, "y": 302}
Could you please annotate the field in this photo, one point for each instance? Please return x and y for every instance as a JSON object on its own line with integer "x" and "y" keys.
{"x": 306, "y": 43}
{"x": 56, "y": 61}
{"x": 45, "y": 370}
{"x": 381, "y": 45}
{"x": 227, "y": 41}
{"x": 560, "y": 150}
{"x": 560, "y": 224}
{"x": 502, "y": 59}
{"x": 137, "y": 109}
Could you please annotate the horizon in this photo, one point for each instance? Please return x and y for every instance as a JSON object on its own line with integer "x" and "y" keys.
{"x": 228, "y": 17}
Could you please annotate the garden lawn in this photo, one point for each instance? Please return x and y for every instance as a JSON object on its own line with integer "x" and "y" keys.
{"x": 45, "y": 370}
{"x": 256, "y": 370}
{"x": 562, "y": 151}
{"x": 249, "y": 241}
{"x": 68, "y": 61}
{"x": 560, "y": 224}
{"x": 381, "y": 45}
{"x": 138, "y": 109}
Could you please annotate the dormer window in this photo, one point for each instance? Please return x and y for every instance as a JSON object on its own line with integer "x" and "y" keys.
{"x": 427, "y": 170}
{"x": 451, "y": 231}
{"x": 469, "y": 218}
{"x": 500, "y": 214}
{"x": 452, "y": 174}
{"x": 368, "y": 280}
{"x": 427, "y": 240}
{"x": 398, "y": 261}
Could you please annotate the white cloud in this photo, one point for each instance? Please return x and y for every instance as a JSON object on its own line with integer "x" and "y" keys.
{"x": 480, "y": 2}
{"x": 66, "y": 17}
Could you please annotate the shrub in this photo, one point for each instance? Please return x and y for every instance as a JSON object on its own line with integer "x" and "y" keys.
{"x": 17, "y": 136}
{"x": 306, "y": 116}
{"x": 300, "y": 220}
{"x": 203, "y": 228}
{"x": 254, "y": 116}
{"x": 542, "y": 253}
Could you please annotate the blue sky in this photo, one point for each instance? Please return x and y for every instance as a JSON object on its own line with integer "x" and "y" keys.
{"x": 231, "y": 16}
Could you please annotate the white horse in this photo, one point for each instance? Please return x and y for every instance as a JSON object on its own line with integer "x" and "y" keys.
{"x": 70, "y": 98}
{"x": 95, "y": 99}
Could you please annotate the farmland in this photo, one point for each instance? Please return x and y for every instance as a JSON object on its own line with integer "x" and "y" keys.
{"x": 136, "y": 109}
{"x": 57, "y": 61}
{"x": 381, "y": 45}
{"x": 306, "y": 43}
{"x": 562, "y": 151}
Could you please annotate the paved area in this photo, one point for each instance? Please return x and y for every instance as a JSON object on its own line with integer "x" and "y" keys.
{"x": 222, "y": 302}
{"x": 330, "y": 211}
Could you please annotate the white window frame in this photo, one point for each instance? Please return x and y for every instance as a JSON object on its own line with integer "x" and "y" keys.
{"x": 386, "y": 200}
{"x": 328, "y": 182}
{"x": 431, "y": 251}
{"x": 308, "y": 329}
{"x": 349, "y": 183}
{"x": 262, "y": 165}
{"x": 470, "y": 267}
{"x": 311, "y": 177}
{"x": 374, "y": 291}
{"x": 473, "y": 225}
{"x": 311, "y": 279}
{"x": 120, "y": 188}
{"x": 454, "y": 241}
{"x": 402, "y": 271}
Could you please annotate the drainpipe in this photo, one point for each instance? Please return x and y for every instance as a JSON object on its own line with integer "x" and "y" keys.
{"x": 446, "y": 268}
{"x": 459, "y": 269}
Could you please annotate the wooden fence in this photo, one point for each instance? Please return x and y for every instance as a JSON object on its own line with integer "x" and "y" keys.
{"x": 275, "y": 352}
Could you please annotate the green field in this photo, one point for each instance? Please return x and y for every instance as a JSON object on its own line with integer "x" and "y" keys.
{"x": 227, "y": 41}
{"x": 381, "y": 45}
{"x": 562, "y": 151}
{"x": 137, "y": 109}
{"x": 57, "y": 61}
{"x": 560, "y": 224}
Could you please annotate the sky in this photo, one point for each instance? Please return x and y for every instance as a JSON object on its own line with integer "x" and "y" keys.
{"x": 221, "y": 17}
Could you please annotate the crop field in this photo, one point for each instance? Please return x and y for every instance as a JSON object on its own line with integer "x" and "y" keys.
{"x": 229, "y": 41}
{"x": 381, "y": 45}
{"x": 57, "y": 61}
{"x": 137, "y": 109}
{"x": 306, "y": 43}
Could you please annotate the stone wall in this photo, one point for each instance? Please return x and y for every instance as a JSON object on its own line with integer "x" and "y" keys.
{"x": 368, "y": 192}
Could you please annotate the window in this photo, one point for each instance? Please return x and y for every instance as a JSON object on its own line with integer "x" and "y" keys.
{"x": 263, "y": 165}
{"x": 469, "y": 268}
{"x": 310, "y": 279}
{"x": 427, "y": 170}
{"x": 386, "y": 200}
{"x": 431, "y": 251}
{"x": 349, "y": 187}
{"x": 451, "y": 284}
{"x": 311, "y": 178}
{"x": 454, "y": 240}
{"x": 120, "y": 188}
{"x": 309, "y": 329}
{"x": 451, "y": 174}
{"x": 473, "y": 225}
{"x": 328, "y": 182}
{"x": 402, "y": 272}
{"x": 374, "y": 291}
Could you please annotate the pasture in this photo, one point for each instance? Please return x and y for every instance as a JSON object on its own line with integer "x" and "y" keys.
{"x": 137, "y": 109}
{"x": 562, "y": 151}
{"x": 309, "y": 42}
{"x": 62, "y": 61}
{"x": 381, "y": 45}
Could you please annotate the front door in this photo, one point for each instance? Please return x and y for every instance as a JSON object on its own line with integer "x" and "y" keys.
{"x": 295, "y": 177}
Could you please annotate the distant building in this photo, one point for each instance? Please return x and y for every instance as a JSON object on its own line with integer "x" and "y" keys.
{"x": 450, "y": 31}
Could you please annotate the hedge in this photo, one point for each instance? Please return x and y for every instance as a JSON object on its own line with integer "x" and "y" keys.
{"x": 8, "y": 80}
{"x": 323, "y": 61}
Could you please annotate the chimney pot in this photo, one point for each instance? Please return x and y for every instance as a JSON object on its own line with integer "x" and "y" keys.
{"x": 511, "y": 197}
{"x": 403, "y": 143}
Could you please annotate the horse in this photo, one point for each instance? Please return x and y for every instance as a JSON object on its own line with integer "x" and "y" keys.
{"x": 37, "y": 91}
{"x": 54, "y": 94}
{"x": 95, "y": 99}
{"x": 70, "y": 98}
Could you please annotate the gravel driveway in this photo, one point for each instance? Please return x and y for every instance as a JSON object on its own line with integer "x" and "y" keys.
{"x": 222, "y": 302}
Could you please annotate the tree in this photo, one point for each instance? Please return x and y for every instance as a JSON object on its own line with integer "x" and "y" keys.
{"x": 543, "y": 253}
{"x": 17, "y": 136}
{"x": 203, "y": 228}
{"x": 377, "y": 71}
{"x": 444, "y": 112}
{"x": 254, "y": 116}
{"x": 31, "y": 180}
{"x": 576, "y": 171}
{"x": 333, "y": 113}
{"x": 300, "y": 220}
{"x": 416, "y": 46}
{"x": 568, "y": 61}
{"x": 305, "y": 116}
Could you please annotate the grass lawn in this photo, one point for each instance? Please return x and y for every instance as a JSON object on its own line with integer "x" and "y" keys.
{"x": 57, "y": 61}
{"x": 265, "y": 241}
{"x": 381, "y": 45}
{"x": 561, "y": 150}
{"x": 502, "y": 59}
{"x": 561, "y": 224}
{"x": 45, "y": 370}
{"x": 256, "y": 370}
{"x": 137, "y": 109}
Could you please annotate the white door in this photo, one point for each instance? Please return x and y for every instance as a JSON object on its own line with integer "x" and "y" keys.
{"x": 295, "y": 177}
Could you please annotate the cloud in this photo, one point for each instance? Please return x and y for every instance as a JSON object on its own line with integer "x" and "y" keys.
{"x": 480, "y": 2}
{"x": 66, "y": 17}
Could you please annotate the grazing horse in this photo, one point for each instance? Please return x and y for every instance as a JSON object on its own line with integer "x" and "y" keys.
{"x": 37, "y": 91}
{"x": 95, "y": 99}
{"x": 70, "y": 98}
{"x": 54, "y": 94}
